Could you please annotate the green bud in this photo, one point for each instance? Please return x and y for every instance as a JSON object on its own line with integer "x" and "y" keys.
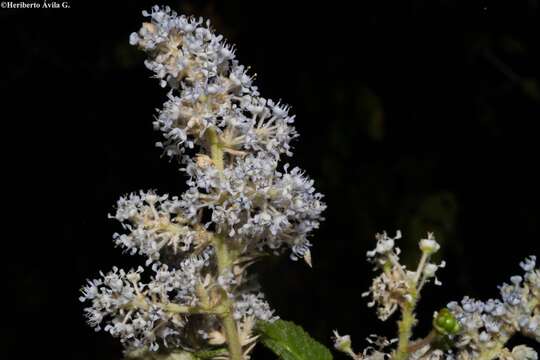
{"x": 445, "y": 323}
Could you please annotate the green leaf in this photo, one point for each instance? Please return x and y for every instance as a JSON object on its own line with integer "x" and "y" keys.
{"x": 290, "y": 342}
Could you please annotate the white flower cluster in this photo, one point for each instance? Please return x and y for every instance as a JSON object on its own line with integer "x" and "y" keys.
{"x": 140, "y": 313}
{"x": 239, "y": 202}
{"x": 255, "y": 306}
{"x": 256, "y": 205}
{"x": 486, "y": 325}
{"x": 467, "y": 330}
{"x": 396, "y": 285}
{"x": 209, "y": 89}
{"x": 154, "y": 223}
{"x": 249, "y": 200}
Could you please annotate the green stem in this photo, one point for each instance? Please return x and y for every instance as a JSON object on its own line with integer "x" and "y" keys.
{"x": 225, "y": 262}
{"x": 225, "y": 259}
{"x": 405, "y": 330}
{"x": 225, "y": 255}
{"x": 231, "y": 333}
{"x": 216, "y": 151}
{"x": 174, "y": 308}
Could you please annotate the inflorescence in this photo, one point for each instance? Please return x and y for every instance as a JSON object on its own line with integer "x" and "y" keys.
{"x": 470, "y": 329}
{"x": 240, "y": 203}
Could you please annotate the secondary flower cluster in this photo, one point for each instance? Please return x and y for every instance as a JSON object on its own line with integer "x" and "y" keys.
{"x": 394, "y": 288}
{"x": 140, "y": 313}
{"x": 487, "y": 326}
{"x": 396, "y": 285}
{"x": 467, "y": 330}
{"x": 239, "y": 203}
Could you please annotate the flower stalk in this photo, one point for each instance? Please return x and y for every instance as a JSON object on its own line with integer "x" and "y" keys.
{"x": 405, "y": 329}
{"x": 216, "y": 150}
{"x": 225, "y": 261}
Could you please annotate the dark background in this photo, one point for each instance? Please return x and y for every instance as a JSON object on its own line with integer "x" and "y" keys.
{"x": 414, "y": 115}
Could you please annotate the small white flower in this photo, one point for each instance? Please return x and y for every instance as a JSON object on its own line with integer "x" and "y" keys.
{"x": 342, "y": 343}
{"x": 385, "y": 244}
{"x": 522, "y": 352}
{"x": 529, "y": 263}
{"x": 429, "y": 245}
